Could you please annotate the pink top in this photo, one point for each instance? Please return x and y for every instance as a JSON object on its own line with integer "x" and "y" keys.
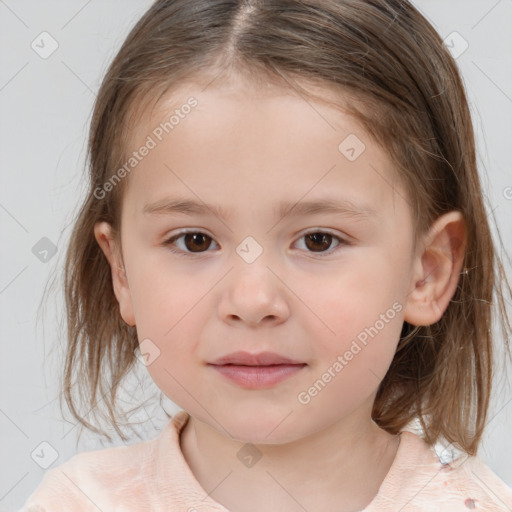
{"x": 154, "y": 476}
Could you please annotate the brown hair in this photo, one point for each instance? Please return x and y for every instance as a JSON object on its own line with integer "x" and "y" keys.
{"x": 383, "y": 53}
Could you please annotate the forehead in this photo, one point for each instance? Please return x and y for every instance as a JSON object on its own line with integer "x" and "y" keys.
{"x": 252, "y": 144}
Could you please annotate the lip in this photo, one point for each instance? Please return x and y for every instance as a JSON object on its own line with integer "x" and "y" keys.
{"x": 261, "y": 359}
{"x": 258, "y": 377}
{"x": 256, "y": 371}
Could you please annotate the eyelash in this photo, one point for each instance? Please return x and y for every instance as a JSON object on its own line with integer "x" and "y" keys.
{"x": 168, "y": 243}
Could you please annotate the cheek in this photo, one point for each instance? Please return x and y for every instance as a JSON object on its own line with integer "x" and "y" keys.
{"x": 172, "y": 316}
{"x": 350, "y": 366}
{"x": 162, "y": 294}
{"x": 171, "y": 309}
{"x": 362, "y": 315}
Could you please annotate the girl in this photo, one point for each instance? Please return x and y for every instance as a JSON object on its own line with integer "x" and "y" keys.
{"x": 285, "y": 225}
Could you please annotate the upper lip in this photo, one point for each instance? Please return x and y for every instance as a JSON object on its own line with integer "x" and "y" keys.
{"x": 260, "y": 359}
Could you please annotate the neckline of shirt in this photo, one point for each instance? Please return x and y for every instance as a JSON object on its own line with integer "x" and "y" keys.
{"x": 414, "y": 465}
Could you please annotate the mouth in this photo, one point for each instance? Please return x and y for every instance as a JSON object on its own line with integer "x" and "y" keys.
{"x": 256, "y": 371}
{"x": 242, "y": 358}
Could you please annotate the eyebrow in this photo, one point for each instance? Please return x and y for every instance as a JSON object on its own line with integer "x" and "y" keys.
{"x": 170, "y": 206}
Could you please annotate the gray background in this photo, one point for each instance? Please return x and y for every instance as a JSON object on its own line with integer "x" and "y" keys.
{"x": 45, "y": 109}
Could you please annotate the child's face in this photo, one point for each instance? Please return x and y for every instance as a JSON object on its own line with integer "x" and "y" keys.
{"x": 337, "y": 307}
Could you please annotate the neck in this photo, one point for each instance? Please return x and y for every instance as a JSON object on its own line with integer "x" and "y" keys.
{"x": 342, "y": 464}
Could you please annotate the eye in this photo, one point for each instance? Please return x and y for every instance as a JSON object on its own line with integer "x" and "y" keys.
{"x": 317, "y": 241}
{"x": 195, "y": 241}
{"x": 198, "y": 242}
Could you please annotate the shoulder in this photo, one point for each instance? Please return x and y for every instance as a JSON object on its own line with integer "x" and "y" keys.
{"x": 473, "y": 482}
{"x": 89, "y": 481}
{"x": 426, "y": 478}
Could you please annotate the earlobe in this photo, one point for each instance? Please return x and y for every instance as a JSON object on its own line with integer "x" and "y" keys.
{"x": 436, "y": 270}
{"x": 105, "y": 239}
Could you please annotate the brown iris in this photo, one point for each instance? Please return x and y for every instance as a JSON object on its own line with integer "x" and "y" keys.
{"x": 324, "y": 239}
{"x": 199, "y": 240}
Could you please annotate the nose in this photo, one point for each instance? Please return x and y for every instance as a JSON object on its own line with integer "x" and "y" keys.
{"x": 253, "y": 295}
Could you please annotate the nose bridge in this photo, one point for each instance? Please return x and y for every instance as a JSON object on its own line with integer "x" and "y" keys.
{"x": 251, "y": 275}
{"x": 253, "y": 257}
{"x": 254, "y": 278}
{"x": 253, "y": 291}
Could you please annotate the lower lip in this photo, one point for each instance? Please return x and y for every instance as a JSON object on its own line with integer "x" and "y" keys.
{"x": 258, "y": 377}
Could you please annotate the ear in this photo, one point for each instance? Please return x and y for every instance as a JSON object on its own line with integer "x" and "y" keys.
{"x": 436, "y": 270}
{"x": 105, "y": 239}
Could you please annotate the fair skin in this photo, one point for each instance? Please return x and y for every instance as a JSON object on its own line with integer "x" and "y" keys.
{"x": 247, "y": 150}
